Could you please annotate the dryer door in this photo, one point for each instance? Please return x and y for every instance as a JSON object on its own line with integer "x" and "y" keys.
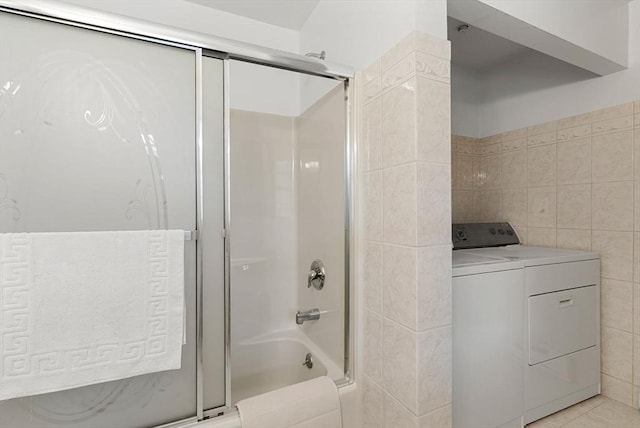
{"x": 562, "y": 322}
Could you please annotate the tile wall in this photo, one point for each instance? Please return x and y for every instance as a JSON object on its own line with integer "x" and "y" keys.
{"x": 572, "y": 183}
{"x": 405, "y": 104}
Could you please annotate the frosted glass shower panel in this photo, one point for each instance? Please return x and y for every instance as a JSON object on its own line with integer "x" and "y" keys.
{"x": 97, "y": 132}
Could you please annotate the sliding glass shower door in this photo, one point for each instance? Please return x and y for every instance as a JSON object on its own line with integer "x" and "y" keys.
{"x": 98, "y": 132}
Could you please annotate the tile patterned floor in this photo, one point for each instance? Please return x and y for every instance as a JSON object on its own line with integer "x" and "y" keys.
{"x": 597, "y": 412}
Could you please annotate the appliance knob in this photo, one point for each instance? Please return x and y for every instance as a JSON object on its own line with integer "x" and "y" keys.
{"x": 492, "y": 231}
{"x": 460, "y": 235}
{"x": 501, "y": 232}
{"x": 510, "y": 232}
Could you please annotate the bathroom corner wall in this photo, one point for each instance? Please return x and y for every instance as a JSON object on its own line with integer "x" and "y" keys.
{"x": 572, "y": 183}
{"x": 405, "y": 106}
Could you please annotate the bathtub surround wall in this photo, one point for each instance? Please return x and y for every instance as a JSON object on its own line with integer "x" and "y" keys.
{"x": 320, "y": 137}
{"x": 405, "y": 103}
{"x": 572, "y": 183}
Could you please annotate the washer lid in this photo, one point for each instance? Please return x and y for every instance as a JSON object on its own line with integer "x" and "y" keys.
{"x": 470, "y": 263}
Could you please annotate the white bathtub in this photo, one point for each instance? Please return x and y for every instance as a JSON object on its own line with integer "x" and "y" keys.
{"x": 273, "y": 361}
{"x": 276, "y": 360}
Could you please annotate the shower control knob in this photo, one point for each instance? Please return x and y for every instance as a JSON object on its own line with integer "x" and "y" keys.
{"x": 316, "y": 275}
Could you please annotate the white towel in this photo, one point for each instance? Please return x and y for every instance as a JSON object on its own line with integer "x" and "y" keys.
{"x": 311, "y": 404}
{"x": 81, "y": 308}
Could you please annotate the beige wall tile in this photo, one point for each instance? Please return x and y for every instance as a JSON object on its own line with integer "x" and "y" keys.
{"x": 434, "y": 204}
{"x": 373, "y": 209}
{"x": 574, "y": 206}
{"x": 514, "y": 169}
{"x": 373, "y": 276}
{"x": 612, "y": 125}
{"x": 433, "y": 45}
{"x": 636, "y": 205}
{"x": 522, "y": 233}
{"x": 574, "y": 161}
{"x": 636, "y": 308}
{"x": 372, "y": 404}
{"x": 372, "y": 72}
{"x": 636, "y": 258}
{"x": 373, "y": 134}
{"x": 462, "y": 206}
{"x": 636, "y": 153}
{"x": 372, "y": 90}
{"x": 399, "y": 364}
{"x": 514, "y": 135}
{"x": 463, "y": 172}
{"x": 573, "y": 133}
{"x": 400, "y": 204}
{"x": 440, "y": 418}
{"x": 573, "y": 121}
{"x": 433, "y": 287}
{"x": 613, "y": 112}
{"x": 541, "y": 166}
{"x": 514, "y": 206}
{"x": 400, "y": 286}
{"x": 542, "y": 128}
{"x": 636, "y": 359}
{"x": 399, "y": 72}
{"x": 396, "y": 415}
{"x": 613, "y": 206}
{"x": 434, "y": 124}
{"x": 372, "y": 345}
{"x": 574, "y": 239}
{"x": 617, "y": 354}
{"x": 617, "y": 304}
{"x": 616, "y": 253}
{"x": 432, "y": 67}
{"x": 541, "y": 139}
{"x": 434, "y": 367}
{"x": 616, "y": 389}
{"x": 491, "y": 172}
{"x": 542, "y": 207}
{"x": 399, "y": 125}
{"x": 519, "y": 144}
{"x": 488, "y": 205}
{"x": 612, "y": 157}
{"x": 541, "y": 237}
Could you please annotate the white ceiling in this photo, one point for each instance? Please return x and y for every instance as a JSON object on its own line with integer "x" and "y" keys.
{"x": 290, "y": 14}
{"x": 478, "y": 49}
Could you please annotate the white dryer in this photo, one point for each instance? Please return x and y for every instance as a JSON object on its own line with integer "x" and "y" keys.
{"x": 561, "y": 307}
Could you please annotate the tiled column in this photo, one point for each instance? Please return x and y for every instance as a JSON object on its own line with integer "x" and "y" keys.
{"x": 407, "y": 331}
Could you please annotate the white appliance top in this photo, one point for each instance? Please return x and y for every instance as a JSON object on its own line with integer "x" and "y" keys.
{"x": 534, "y": 256}
{"x": 470, "y": 262}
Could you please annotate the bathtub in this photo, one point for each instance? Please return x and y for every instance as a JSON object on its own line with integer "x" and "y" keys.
{"x": 274, "y": 361}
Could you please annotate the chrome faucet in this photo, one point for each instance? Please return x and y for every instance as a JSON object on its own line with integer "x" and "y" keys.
{"x": 310, "y": 315}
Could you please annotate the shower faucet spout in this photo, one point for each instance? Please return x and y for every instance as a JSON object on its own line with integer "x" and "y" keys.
{"x": 310, "y": 315}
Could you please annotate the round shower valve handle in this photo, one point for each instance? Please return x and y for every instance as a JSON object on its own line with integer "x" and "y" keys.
{"x": 316, "y": 275}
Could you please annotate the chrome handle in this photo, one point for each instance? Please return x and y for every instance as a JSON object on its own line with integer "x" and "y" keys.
{"x": 316, "y": 275}
{"x": 310, "y": 315}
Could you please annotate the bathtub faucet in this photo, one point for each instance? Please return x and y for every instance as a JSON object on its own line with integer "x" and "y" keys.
{"x": 310, "y": 315}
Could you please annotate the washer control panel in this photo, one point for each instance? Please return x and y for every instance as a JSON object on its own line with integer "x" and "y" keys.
{"x": 481, "y": 235}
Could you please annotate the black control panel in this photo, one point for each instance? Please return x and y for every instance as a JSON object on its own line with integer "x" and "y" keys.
{"x": 481, "y": 235}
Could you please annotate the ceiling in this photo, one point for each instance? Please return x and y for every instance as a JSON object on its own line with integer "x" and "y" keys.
{"x": 290, "y": 14}
{"x": 478, "y": 49}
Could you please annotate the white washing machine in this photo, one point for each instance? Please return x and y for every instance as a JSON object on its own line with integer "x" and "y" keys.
{"x": 561, "y": 312}
{"x": 488, "y": 338}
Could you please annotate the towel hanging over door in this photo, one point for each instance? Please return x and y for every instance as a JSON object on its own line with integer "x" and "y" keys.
{"x": 81, "y": 308}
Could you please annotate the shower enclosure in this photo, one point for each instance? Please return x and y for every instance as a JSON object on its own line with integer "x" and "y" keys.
{"x": 108, "y": 124}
